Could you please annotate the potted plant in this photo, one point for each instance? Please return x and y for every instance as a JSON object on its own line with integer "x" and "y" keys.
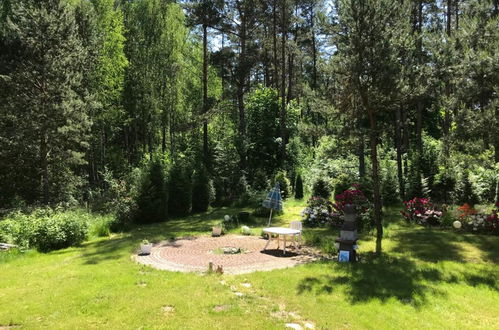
{"x": 217, "y": 230}
{"x": 145, "y": 247}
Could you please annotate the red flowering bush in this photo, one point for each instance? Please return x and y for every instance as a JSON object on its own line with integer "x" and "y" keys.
{"x": 421, "y": 211}
{"x": 466, "y": 211}
{"x": 362, "y": 205}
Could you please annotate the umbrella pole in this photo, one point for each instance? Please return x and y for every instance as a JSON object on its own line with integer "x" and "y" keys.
{"x": 270, "y": 217}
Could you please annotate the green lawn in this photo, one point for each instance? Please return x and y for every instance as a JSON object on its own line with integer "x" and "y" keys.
{"x": 426, "y": 279}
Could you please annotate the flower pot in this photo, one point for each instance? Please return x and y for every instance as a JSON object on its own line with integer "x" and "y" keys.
{"x": 145, "y": 248}
{"x": 216, "y": 231}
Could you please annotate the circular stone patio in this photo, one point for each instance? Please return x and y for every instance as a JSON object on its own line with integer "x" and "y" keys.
{"x": 192, "y": 254}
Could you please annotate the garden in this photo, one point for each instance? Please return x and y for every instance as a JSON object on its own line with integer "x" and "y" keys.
{"x": 248, "y": 164}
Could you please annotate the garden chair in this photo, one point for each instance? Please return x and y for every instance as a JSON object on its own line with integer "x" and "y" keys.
{"x": 297, "y": 225}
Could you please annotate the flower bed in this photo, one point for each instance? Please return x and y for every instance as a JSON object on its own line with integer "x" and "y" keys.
{"x": 318, "y": 212}
{"x": 421, "y": 211}
{"x": 322, "y": 212}
{"x": 476, "y": 222}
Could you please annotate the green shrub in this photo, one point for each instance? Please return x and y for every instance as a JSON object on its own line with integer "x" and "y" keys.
{"x": 342, "y": 183}
{"x": 444, "y": 186}
{"x": 299, "y": 187}
{"x": 260, "y": 181}
{"x": 465, "y": 190}
{"x": 243, "y": 217}
{"x": 152, "y": 198}
{"x": 284, "y": 183}
{"x": 484, "y": 183}
{"x": 321, "y": 188}
{"x": 101, "y": 226}
{"x": 389, "y": 187}
{"x": 9, "y": 232}
{"x": 180, "y": 201}
{"x": 46, "y": 229}
{"x": 202, "y": 191}
{"x": 59, "y": 231}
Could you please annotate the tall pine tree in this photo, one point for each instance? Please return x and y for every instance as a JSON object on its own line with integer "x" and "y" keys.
{"x": 44, "y": 121}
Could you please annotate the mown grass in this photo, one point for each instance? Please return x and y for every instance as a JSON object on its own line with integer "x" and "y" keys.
{"x": 427, "y": 278}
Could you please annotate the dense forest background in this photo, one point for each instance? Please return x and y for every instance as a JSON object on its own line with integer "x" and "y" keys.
{"x": 158, "y": 108}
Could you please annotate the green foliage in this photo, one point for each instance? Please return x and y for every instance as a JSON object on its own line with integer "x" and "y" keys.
{"x": 180, "y": 188}
{"x": 152, "y": 197}
{"x": 262, "y": 107}
{"x": 48, "y": 229}
{"x": 444, "y": 185}
{"x": 45, "y": 104}
{"x": 229, "y": 180}
{"x": 202, "y": 191}
{"x": 389, "y": 184}
{"x": 101, "y": 226}
{"x": 321, "y": 188}
{"x": 58, "y": 232}
{"x": 342, "y": 183}
{"x": 465, "y": 193}
{"x": 284, "y": 183}
{"x": 299, "y": 187}
{"x": 484, "y": 182}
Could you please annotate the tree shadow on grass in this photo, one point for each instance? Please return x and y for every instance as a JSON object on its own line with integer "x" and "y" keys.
{"x": 435, "y": 245}
{"x": 384, "y": 278}
{"x": 390, "y": 277}
{"x": 428, "y": 245}
{"x": 105, "y": 250}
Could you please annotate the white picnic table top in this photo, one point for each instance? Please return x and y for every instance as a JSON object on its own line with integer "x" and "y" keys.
{"x": 281, "y": 231}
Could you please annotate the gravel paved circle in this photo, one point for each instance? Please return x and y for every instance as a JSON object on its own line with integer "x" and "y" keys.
{"x": 192, "y": 254}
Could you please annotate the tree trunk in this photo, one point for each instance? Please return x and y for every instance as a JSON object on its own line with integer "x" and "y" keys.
{"x": 290, "y": 95}
{"x": 362, "y": 156}
{"x": 241, "y": 89}
{"x": 447, "y": 118}
{"x": 205, "y": 94}
{"x": 274, "y": 44}
{"x": 376, "y": 182}
{"x": 163, "y": 138}
{"x": 283, "y": 81}
{"x": 419, "y": 128}
{"x": 398, "y": 145}
{"x": 449, "y": 17}
{"x": 496, "y": 136}
{"x": 314, "y": 47}
{"x": 44, "y": 166}
{"x": 222, "y": 73}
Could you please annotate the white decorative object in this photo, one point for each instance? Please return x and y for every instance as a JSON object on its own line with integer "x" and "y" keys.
{"x": 145, "y": 247}
{"x": 226, "y": 217}
{"x": 216, "y": 231}
{"x": 245, "y": 230}
{"x": 457, "y": 224}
